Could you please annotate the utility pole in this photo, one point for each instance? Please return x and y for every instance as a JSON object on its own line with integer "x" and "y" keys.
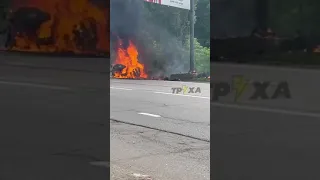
{"x": 192, "y": 13}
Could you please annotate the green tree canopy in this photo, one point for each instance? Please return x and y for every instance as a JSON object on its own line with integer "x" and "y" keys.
{"x": 176, "y": 23}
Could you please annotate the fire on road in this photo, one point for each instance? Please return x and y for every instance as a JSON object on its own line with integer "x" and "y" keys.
{"x": 128, "y": 63}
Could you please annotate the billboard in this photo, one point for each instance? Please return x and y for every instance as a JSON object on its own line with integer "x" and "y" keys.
{"x": 183, "y": 4}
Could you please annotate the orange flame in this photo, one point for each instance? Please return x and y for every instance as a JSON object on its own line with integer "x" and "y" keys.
{"x": 129, "y": 58}
{"x": 66, "y": 16}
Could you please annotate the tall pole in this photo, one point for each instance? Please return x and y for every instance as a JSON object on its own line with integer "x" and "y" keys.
{"x": 192, "y": 13}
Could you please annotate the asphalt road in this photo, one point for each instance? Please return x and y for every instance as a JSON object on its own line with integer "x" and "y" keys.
{"x": 54, "y": 125}
{"x": 157, "y": 133}
{"x": 256, "y": 143}
{"x": 267, "y": 139}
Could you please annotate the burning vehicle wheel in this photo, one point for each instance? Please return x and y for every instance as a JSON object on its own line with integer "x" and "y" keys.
{"x": 136, "y": 72}
{"x": 85, "y": 35}
{"x": 117, "y": 69}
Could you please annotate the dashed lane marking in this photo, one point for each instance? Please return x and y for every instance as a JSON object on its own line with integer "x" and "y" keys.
{"x": 148, "y": 114}
{"x": 166, "y": 93}
{"x": 141, "y": 176}
{"x": 100, "y": 163}
{"x": 34, "y": 85}
{"x": 120, "y": 88}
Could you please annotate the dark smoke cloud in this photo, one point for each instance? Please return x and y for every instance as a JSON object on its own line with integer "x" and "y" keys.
{"x": 101, "y": 3}
{"x": 128, "y": 22}
{"x": 125, "y": 16}
{"x": 232, "y": 18}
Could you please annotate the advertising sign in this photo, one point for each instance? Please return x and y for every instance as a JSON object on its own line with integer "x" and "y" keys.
{"x": 183, "y": 4}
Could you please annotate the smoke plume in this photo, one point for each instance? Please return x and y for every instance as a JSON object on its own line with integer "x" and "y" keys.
{"x": 128, "y": 21}
{"x": 232, "y": 18}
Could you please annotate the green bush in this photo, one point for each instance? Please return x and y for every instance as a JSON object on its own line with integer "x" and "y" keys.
{"x": 201, "y": 55}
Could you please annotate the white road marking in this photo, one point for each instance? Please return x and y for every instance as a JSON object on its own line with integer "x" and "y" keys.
{"x": 166, "y": 93}
{"x": 100, "y": 163}
{"x": 186, "y": 95}
{"x": 270, "y": 110}
{"x": 34, "y": 85}
{"x": 136, "y": 175}
{"x": 148, "y": 114}
{"x": 120, "y": 88}
{"x": 263, "y": 67}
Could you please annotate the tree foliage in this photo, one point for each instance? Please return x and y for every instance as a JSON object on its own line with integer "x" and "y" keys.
{"x": 176, "y": 22}
{"x": 287, "y": 17}
{"x": 201, "y": 54}
{"x": 202, "y": 25}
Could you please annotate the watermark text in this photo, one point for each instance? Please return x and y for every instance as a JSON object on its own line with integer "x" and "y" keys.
{"x": 186, "y": 90}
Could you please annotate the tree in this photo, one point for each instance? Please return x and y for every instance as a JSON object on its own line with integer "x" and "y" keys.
{"x": 202, "y": 25}
{"x": 171, "y": 40}
{"x": 202, "y": 56}
{"x": 160, "y": 33}
{"x": 286, "y": 17}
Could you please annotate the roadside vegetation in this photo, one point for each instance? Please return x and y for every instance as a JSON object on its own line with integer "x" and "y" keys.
{"x": 176, "y": 22}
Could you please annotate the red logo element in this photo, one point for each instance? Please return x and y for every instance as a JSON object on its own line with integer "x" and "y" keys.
{"x": 154, "y": 1}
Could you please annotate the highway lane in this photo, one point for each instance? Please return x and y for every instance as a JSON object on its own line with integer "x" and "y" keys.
{"x": 52, "y": 126}
{"x": 59, "y": 120}
{"x": 152, "y": 104}
{"x": 267, "y": 139}
{"x": 263, "y": 143}
{"x": 158, "y": 133}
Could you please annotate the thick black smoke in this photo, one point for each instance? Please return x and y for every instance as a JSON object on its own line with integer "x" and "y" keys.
{"x": 128, "y": 22}
{"x": 232, "y": 18}
{"x": 124, "y": 19}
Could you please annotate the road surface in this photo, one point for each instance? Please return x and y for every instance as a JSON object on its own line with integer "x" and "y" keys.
{"x": 54, "y": 124}
{"x": 269, "y": 139}
{"x": 157, "y": 133}
{"x": 264, "y": 143}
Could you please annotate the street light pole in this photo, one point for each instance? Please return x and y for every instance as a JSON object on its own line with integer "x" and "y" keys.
{"x": 192, "y": 13}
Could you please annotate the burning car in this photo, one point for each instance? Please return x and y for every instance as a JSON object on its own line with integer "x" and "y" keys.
{"x": 127, "y": 65}
{"x": 77, "y": 26}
